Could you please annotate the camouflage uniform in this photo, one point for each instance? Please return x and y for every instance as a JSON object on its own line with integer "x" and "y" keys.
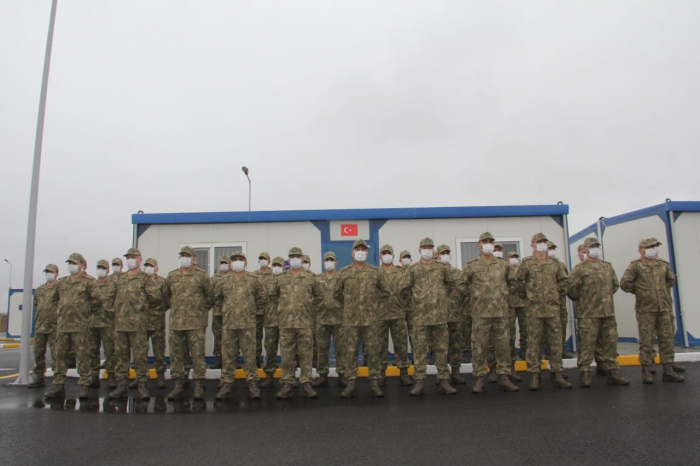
{"x": 409, "y": 314}
{"x": 156, "y": 325}
{"x": 517, "y": 311}
{"x": 329, "y": 325}
{"x": 393, "y": 319}
{"x": 271, "y": 325}
{"x": 216, "y": 315}
{"x": 455, "y": 321}
{"x": 45, "y": 324}
{"x": 265, "y": 278}
{"x": 101, "y": 327}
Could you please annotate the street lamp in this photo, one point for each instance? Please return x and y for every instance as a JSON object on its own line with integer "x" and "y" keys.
{"x": 10, "y": 273}
{"x": 250, "y": 185}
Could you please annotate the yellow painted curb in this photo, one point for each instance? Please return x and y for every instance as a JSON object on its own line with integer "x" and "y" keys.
{"x": 10, "y": 345}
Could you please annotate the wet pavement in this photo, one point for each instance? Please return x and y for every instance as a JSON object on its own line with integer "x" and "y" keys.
{"x": 646, "y": 424}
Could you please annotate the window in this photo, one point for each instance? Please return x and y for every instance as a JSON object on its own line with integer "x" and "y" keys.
{"x": 466, "y": 248}
{"x": 208, "y": 255}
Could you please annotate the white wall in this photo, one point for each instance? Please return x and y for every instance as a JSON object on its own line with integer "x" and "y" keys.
{"x": 687, "y": 244}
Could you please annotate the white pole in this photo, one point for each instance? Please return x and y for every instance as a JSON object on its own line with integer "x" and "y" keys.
{"x": 27, "y": 298}
{"x": 672, "y": 250}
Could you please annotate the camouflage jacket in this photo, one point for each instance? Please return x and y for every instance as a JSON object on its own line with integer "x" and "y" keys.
{"x": 297, "y": 299}
{"x": 487, "y": 285}
{"x": 650, "y": 281}
{"x": 542, "y": 284}
{"x": 515, "y": 300}
{"x": 362, "y": 292}
{"x": 156, "y": 311}
{"x": 77, "y": 299}
{"x": 427, "y": 288}
{"x": 592, "y": 285}
{"x": 104, "y": 317}
{"x": 265, "y": 278}
{"x": 214, "y": 280}
{"x": 136, "y": 294}
{"x": 395, "y": 307}
{"x": 239, "y": 298}
{"x": 189, "y": 296}
{"x": 45, "y": 305}
{"x": 457, "y": 309}
{"x": 331, "y": 312}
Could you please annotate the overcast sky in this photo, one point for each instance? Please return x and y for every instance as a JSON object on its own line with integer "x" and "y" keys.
{"x": 155, "y": 106}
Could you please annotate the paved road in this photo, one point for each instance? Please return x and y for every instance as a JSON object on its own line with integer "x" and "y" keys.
{"x": 603, "y": 425}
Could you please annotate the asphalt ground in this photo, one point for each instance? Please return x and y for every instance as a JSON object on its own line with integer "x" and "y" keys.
{"x": 637, "y": 424}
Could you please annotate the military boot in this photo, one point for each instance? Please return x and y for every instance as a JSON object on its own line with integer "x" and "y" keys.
{"x": 455, "y": 377}
{"x": 84, "y": 392}
{"x": 143, "y": 391}
{"x": 585, "y": 379}
{"x": 121, "y": 391}
{"x": 350, "y": 389}
{"x": 111, "y": 381}
{"x": 615, "y": 379}
{"x": 382, "y": 379}
{"x": 375, "y": 388}
{"x": 321, "y": 381}
{"x": 269, "y": 381}
{"x": 493, "y": 376}
{"x": 39, "y": 381}
{"x": 160, "y": 379}
{"x": 342, "y": 381}
{"x": 506, "y": 384}
{"x": 677, "y": 368}
{"x": 479, "y": 385}
{"x": 199, "y": 389}
{"x": 514, "y": 375}
{"x": 217, "y": 364}
{"x": 446, "y": 388}
{"x": 559, "y": 381}
{"x": 670, "y": 375}
{"x": 57, "y": 391}
{"x": 176, "y": 392}
{"x": 286, "y": 391}
{"x": 224, "y": 391}
{"x": 600, "y": 370}
{"x": 309, "y": 391}
{"x": 417, "y": 389}
{"x": 253, "y": 390}
{"x": 133, "y": 384}
{"x": 534, "y": 381}
{"x": 565, "y": 354}
{"x": 653, "y": 367}
{"x": 94, "y": 381}
{"x": 404, "y": 378}
{"x": 646, "y": 375}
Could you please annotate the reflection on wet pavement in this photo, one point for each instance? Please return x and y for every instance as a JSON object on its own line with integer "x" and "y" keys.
{"x": 137, "y": 405}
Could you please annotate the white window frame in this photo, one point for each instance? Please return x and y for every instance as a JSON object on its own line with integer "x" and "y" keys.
{"x": 214, "y": 261}
{"x": 499, "y": 239}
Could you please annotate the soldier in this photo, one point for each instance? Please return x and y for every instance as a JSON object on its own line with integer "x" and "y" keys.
{"x": 239, "y": 294}
{"x": 362, "y": 290}
{"x": 188, "y": 294}
{"x": 405, "y": 258}
{"x": 156, "y": 323}
{"x": 45, "y": 322}
{"x": 101, "y": 328}
{"x": 592, "y": 284}
{"x": 488, "y": 282}
{"x": 393, "y": 319}
{"x": 498, "y": 250}
{"x": 541, "y": 283}
{"x": 329, "y": 324}
{"x": 563, "y": 310}
{"x": 428, "y": 285}
{"x": 650, "y": 280}
{"x": 117, "y": 266}
{"x": 455, "y": 318}
{"x": 517, "y": 305}
{"x": 298, "y": 295}
{"x": 271, "y": 324}
{"x": 306, "y": 263}
{"x": 136, "y": 293}
{"x": 77, "y": 299}
{"x": 265, "y": 274}
{"x": 216, "y": 316}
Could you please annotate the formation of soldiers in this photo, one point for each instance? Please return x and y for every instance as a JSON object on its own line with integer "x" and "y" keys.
{"x": 457, "y": 316}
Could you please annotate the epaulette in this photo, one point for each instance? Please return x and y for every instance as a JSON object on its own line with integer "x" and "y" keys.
{"x": 473, "y": 259}
{"x": 663, "y": 260}
{"x": 345, "y": 268}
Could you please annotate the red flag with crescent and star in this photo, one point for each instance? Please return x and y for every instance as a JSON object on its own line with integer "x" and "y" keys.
{"x": 348, "y": 229}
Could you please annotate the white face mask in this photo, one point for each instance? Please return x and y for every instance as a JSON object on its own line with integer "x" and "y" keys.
{"x": 426, "y": 254}
{"x": 656, "y": 251}
{"x": 584, "y": 257}
{"x": 101, "y": 273}
{"x": 277, "y": 269}
{"x": 360, "y": 256}
{"x": 185, "y": 262}
{"x": 295, "y": 263}
{"x": 263, "y": 263}
{"x": 514, "y": 261}
{"x": 541, "y": 247}
{"x": 131, "y": 264}
{"x": 487, "y": 248}
{"x": 649, "y": 253}
{"x": 498, "y": 254}
{"x": 73, "y": 269}
{"x": 387, "y": 259}
{"x": 238, "y": 266}
{"x": 594, "y": 253}
{"x": 445, "y": 258}
{"x": 116, "y": 269}
{"x": 223, "y": 267}
{"x": 330, "y": 265}
{"x": 305, "y": 266}
{"x": 552, "y": 253}
{"x": 149, "y": 270}
{"x": 50, "y": 276}
{"x": 406, "y": 262}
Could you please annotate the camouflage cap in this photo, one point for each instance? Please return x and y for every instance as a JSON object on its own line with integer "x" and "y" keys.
{"x": 307, "y": 259}
{"x": 296, "y": 251}
{"x": 497, "y": 245}
{"x": 551, "y": 245}
{"x": 278, "y": 260}
{"x": 103, "y": 263}
{"x": 239, "y": 254}
{"x": 360, "y": 242}
{"x": 117, "y": 260}
{"x": 581, "y": 247}
{"x": 224, "y": 259}
{"x": 264, "y": 255}
{"x": 187, "y": 250}
{"x": 151, "y": 261}
{"x": 51, "y": 268}
{"x": 426, "y": 242}
{"x": 443, "y": 247}
{"x": 486, "y": 235}
{"x": 76, "y": 257}
{"x": 387, "y": 247}
{"x": 133, "y": 252}
{"x": 513, "y": 254}
{"x": 648, "y": 243}
{"x": 404, "y": 254}
{"x": 329, "y": 255}
{"x": 656, "y": 241}
{"x": 591, "y": 241}
{"x": 538, "y": 237}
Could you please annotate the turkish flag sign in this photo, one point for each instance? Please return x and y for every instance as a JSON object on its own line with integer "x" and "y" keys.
{"x": 348, "y": 229}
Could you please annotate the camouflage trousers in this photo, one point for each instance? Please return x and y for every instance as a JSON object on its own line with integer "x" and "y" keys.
{"x": 539, "y": 331}
{"x": 234, "y": 341}
{"x": 126, "y": 343}
{"x": 183, "y": 345}
{"x": 564, "y": 318}
{"x": 97, "y": 337}
{"x": 157, "y": 337}
{"x": 370, "y": 342}
{"x": 272, "y": 341}
{"x": 258, "y": 337}
{"x": 399, "y": 338}
{"x": 436, "y": 336}
{"x": 594, "y": 332}
{"x": 296, "y": 342}
{"x": 66, "y": 344}
{"x": 455, "y": 332}
{"x": 41, "y": 341}
{"x": 324, "y": 334}
{"x": 484, "y": 331}
{"x": 467, "y": 332}
{"x": 216, "y": 326}
{"x": 519, "y": 314}
{"x": 409, "y": 328}
{"x": 653, "y": 324}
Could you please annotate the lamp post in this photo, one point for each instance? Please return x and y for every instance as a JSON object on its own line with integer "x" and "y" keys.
{"x": 10, "y": 286}
{"x": 250, "y": 185}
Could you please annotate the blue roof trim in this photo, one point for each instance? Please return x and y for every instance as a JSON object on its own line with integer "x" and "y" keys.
{"x": 634, "y": 215}
{"x": 583, "y": 233}
{"x": 349, "y": 214}
{"x": 683, "y": 206}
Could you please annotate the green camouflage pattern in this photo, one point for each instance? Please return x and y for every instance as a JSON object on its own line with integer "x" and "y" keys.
{"x": 597, "y": 338}
{"x": 66, "y": 344}
{"x": 650, "y": 281}
{"x": 297, "y": 299}
{"x": 494, "y": 331}
{"x": 157, "y": 338}
{"x": 655, "y": 325}
{"x": 331, "y": 311}
{"x": 235, "y": 340}
{"x": 456, "y": 308}
{"x": 214, "y": 280}
{"x": 541, "y": 330}
{"x": 126, "y": 343}
{"x": 370, "y": 343}
{"x": 394, "y": 307}
{"x": 41, "y": 341}
{"x": 217, "y": 323}
{"x": 78, "y": 298}
{"x": 591, "y": 285}
{"x": 265, "y": 278}
{"x": 455, "y": 332}
{"x": 136, "y": 294}
{"x": 427, "y": 288}
{"x": 438, "y": 338}
{"x": 396, "y": 328}
{"x": 487, "y": 285}
{"x": 324, "y": 334}
{"x": 104, "y": 317}
{"x": 542, "y": 284}
{"x": 101, "y": 337}
{"x": 362, "y": 291}
{"x": 45, "y": 307}
{"x": 183, "y": 345}
{"x": 156, "y": 311}
{"x": 240, "y": 299}
{"x": 272, "y": 341}
{"x": 189, "y": 296}
{"x": 296, "y": 342}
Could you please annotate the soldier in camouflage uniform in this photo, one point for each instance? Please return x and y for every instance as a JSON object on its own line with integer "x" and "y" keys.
{"x": 101, "y": 328}
{"x": 491, "y": 350}
{"x": 427, "y": 284}
{"x": 216, "y": 316}
{"x": 45, "y": 322}
{"x": 77, "y": 299}
{"x": 136, "y": 293}
{"x": 563, "y": 310}
{"x": 117, "y": 266}
{"x": 265, "y": 274}
{"x": 393, "y": 319}
{"x": 650, "y": 280}
{"x": 298, "y": 296}
{"x": 542, "y": 283}
{"x": 271, "y": 324}
{"x": 404, "y": 264}
{"x": 362, "y": 290}
{"x": 189, "y": 295}
{"x": 517, "y": 306}
{"x": 329, "y": 324}
{"x": 591, "y": 285}
{"x": 487, "y": 283}
{"x": 239, "y": 294}
{"x": 599, "y": 369}
{"x": 156, "y": 322}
